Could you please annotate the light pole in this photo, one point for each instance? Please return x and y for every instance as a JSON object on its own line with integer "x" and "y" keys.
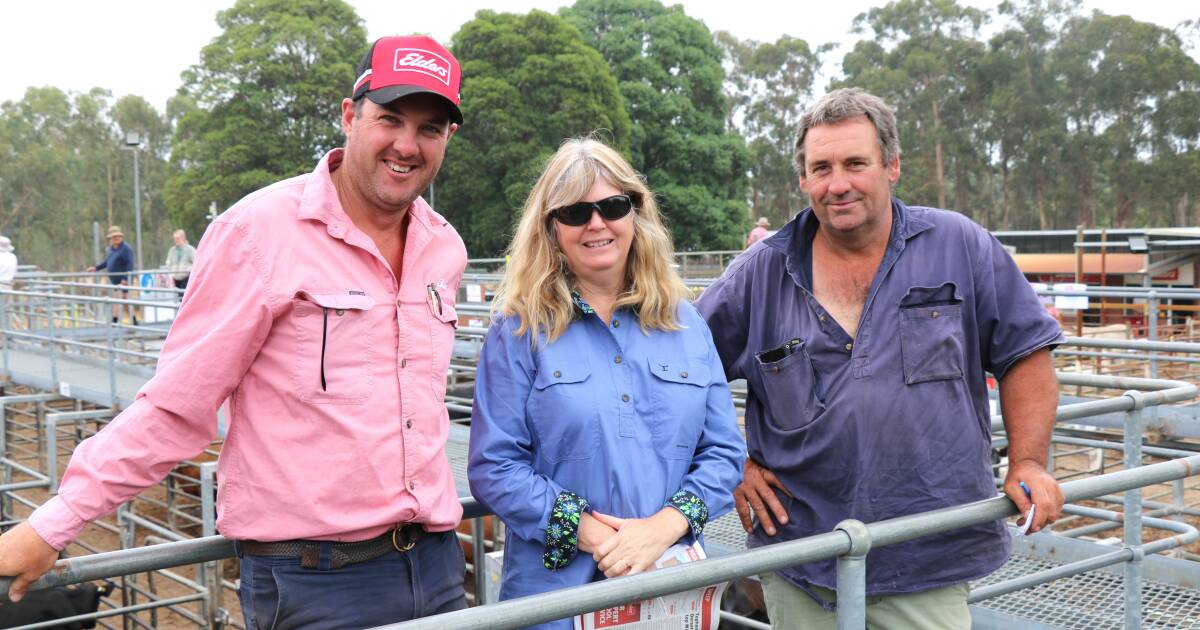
{"x": 133, "y": 142}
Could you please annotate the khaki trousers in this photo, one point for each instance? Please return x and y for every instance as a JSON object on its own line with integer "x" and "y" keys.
{"x": 939, "y": 609}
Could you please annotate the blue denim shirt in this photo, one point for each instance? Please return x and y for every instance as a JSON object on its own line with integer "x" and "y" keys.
{"x": 620, "y": 417}
{"x": 894, "y": 421}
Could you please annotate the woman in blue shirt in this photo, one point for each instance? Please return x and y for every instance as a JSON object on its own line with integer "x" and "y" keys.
{"x": 603, "y": 431}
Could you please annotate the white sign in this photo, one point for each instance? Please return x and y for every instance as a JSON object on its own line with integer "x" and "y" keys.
{"x": 475, "y": 293}
{"x": 64, "y": 389}
{"x": 1070, "y": 302}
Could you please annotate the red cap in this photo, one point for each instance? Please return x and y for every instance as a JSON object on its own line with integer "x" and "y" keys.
{"x": 395, "y": 67}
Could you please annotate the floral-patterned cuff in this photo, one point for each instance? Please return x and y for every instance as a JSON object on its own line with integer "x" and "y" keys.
{"x": 693, "y": 509}
{"x": 562, "y": 530}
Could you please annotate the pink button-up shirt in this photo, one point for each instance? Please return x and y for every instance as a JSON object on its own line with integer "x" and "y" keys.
{"x": 285, "y": 292}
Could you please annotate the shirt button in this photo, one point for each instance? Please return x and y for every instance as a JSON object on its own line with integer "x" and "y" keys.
{"x": 616, "y": 323}
{"x": 849, "y": 347}
{"x": 822, "y": 319}
{"x": 683, "y": 374}
{"x": 397, "y": 303}
{"x": 408, "y": 424}
{"x": 340, "y": 312}
{"x": 403, "y": 363}
{"x": 624, "y": 397}
{"x": 617, "y": 359}
{"x": 412, "y": 486}
{"x": 557, "y": 374}
{"x": 935, "y": 314}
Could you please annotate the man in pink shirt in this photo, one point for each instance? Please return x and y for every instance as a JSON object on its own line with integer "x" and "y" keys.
{"x": 322, "y": 308}
{"x": 759, "y": 232}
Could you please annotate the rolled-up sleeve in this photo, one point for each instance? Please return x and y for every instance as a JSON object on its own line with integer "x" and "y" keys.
{"x": 501, "y": 464}
{"x": 218, "y": 331}
{"x": 1012, "y": 321}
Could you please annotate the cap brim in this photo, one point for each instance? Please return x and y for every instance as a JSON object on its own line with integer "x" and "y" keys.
{"x": 386, "y": 95}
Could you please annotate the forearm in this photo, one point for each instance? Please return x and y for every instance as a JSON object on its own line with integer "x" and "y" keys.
{"x": 135, "y": 451}
{"x": 1028, "y": 401}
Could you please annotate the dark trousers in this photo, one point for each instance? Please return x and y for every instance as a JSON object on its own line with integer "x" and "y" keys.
{"x": 181, "y": 284}
{"x": 278, "y": 594}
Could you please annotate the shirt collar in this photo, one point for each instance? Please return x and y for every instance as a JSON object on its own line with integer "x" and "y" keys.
{"x": 320, "y": 202}
{"x": 793, "y": 239}
{"x": 581, "y": 305}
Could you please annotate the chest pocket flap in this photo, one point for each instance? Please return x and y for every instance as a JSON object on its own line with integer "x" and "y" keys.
{"x": 932, "y": 341}
{"x": 565, "y": 372}
{"x": 344, "y": 301}
{"x": 680, "y": 371}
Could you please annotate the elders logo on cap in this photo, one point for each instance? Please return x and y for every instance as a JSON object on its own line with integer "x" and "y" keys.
{"x": 396, "y": 67}
{"x": 415, "y": 60}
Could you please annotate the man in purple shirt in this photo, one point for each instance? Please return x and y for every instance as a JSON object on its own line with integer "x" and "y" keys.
{"x": 863, "y": 329}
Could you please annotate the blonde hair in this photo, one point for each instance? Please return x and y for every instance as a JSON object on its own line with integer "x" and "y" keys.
{"x": 537, "y": 284}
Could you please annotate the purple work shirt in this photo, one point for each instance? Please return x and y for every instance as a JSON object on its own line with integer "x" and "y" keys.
{"x": 896, "y": 420}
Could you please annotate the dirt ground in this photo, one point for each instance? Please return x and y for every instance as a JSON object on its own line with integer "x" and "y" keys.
{"x": 99, "y": 538}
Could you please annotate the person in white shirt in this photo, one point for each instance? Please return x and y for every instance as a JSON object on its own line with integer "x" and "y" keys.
{"x": 8, "y": 264}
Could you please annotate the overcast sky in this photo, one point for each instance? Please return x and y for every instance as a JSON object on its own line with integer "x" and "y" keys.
{"x": 142, "y": 46}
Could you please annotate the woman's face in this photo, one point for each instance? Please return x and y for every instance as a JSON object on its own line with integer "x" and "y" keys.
{"x": 598, "y": 251}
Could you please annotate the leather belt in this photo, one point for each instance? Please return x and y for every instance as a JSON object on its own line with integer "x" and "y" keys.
{"x": 399, "y": 539}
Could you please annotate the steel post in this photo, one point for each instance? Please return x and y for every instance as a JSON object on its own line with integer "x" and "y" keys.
{"x": 1133, "y": 514}
{"x": 210, "y": 572}
{"x": 478, "y": 560}
{"x": 4, "y": 335}
{"x": 53, "y": 345}
{"x": 1152, "y": 323}
{"x": 112, "y": 363}
{"x": 52, "y": 452}
{"x": 852, "y": 576}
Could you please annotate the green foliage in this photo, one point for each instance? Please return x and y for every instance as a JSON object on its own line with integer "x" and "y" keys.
{"x": 62, "y": 168}
{"x": 670, "y": 73}
{"x": 529, "y": 82}
{"x": 263, "y": 104}
{"x": 920, "y": 61}
{"x": 769, "y": 86}
{"x": 1057, "y": 119}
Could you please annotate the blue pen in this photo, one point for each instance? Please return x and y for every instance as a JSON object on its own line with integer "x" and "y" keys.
{"x": 1024, "y": 529}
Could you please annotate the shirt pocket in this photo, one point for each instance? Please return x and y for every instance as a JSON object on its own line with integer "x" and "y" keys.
{"x": 790, "y": 388}
{"x": 932, "y": 345}
{"x": 334, "y": 347}
{"x": 680, "y": 404}
{"x": 442, "y": 327}
{"x": 562, "y": 412}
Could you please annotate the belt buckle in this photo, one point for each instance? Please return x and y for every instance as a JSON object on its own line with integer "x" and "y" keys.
{"x": 408, "y": 543}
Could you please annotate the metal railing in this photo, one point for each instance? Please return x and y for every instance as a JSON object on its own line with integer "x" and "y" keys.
{"x": 849, "y": 543}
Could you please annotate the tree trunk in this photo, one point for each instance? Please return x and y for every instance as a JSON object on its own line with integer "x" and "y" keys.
{"x": 937, "y": 154}
{"x": 1006, "y": 217}
{"x": 1043, "y": 220}
{"x": 1124, "y": 213}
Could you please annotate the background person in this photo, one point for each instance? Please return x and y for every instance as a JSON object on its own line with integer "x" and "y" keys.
{"x": 322, "y": 302}
{"x": 602, "y": 422}
{"x": 118, "y": 261}
{"x": 863, "y": 329}
{"x": 759, "y": 232}
{"x": 8, "y": 264}
{"x": 179, "y": 259}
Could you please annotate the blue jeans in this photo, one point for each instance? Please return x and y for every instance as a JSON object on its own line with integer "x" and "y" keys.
{"x": 279, "y": 594}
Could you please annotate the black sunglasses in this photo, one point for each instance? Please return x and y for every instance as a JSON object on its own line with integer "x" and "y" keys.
{"x": 577, "y": 214}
